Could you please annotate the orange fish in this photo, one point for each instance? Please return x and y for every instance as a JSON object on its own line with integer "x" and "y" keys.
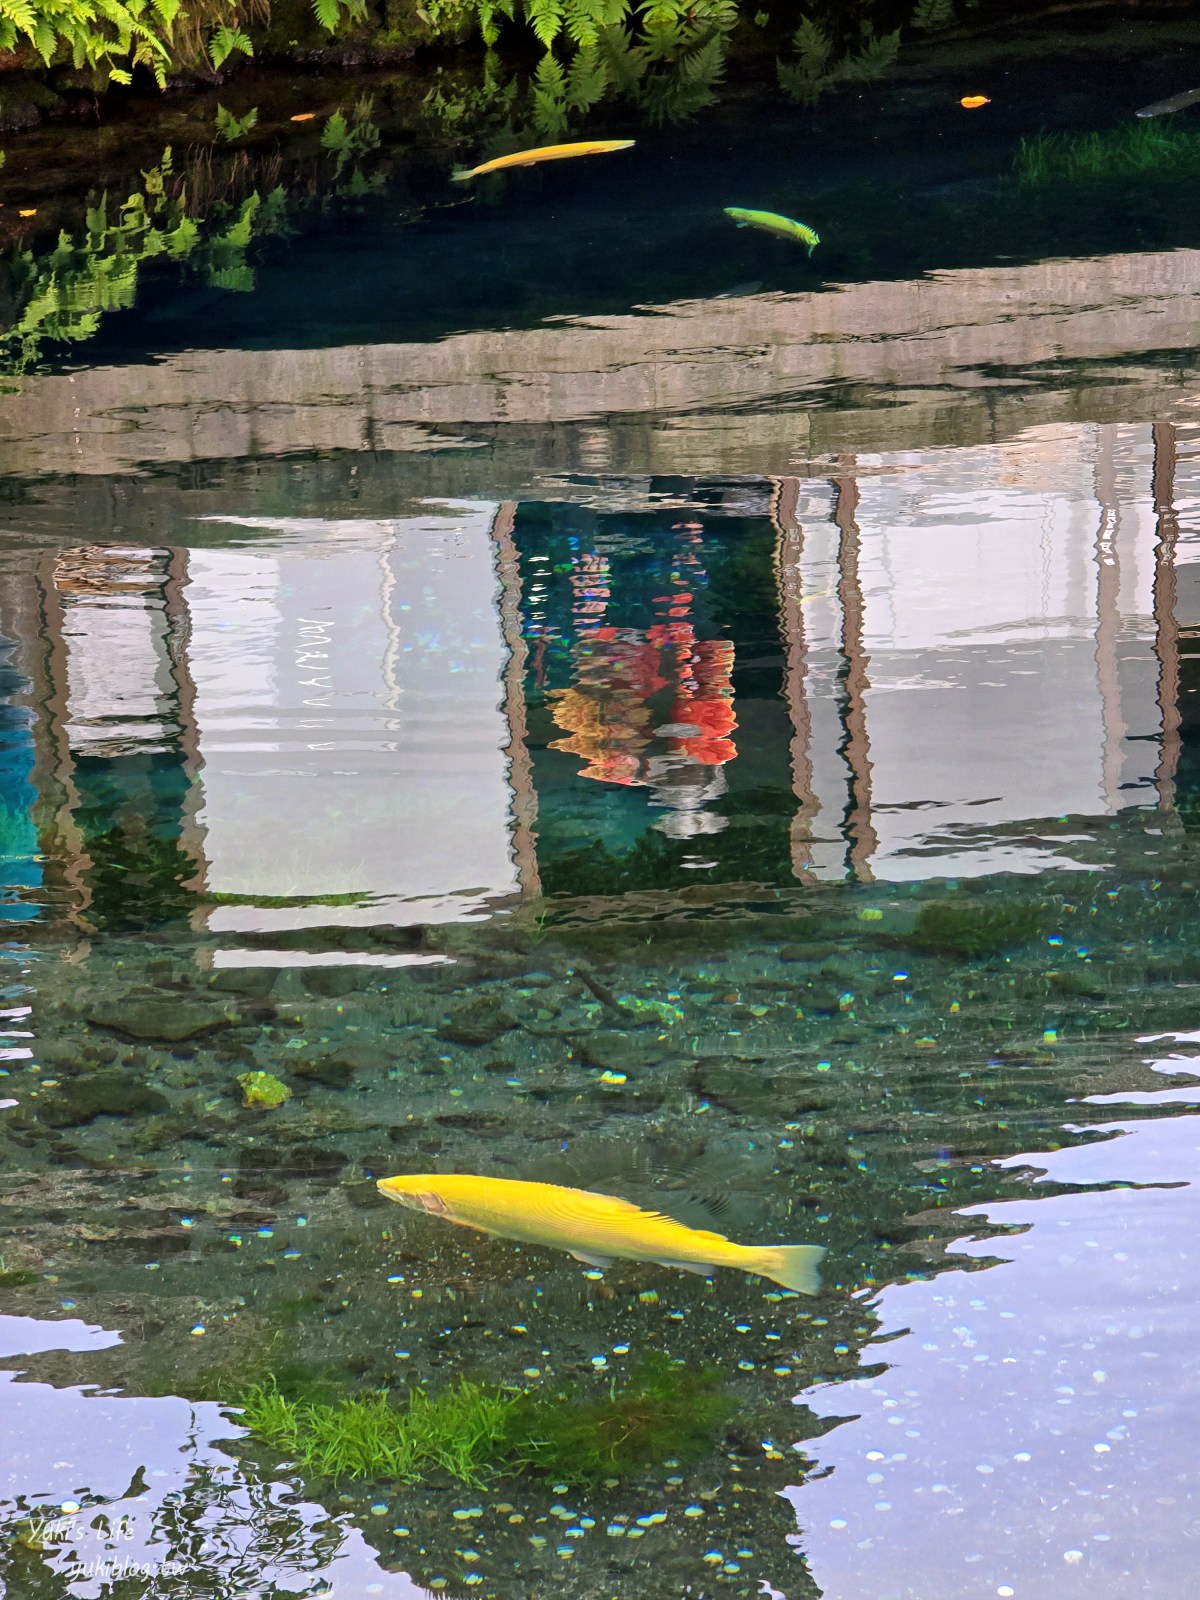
{"x": 972, "y": 102}
{"x": 545, "y": 152}
{"x": 32, "y": 212}
{"x": 303, "y": 116}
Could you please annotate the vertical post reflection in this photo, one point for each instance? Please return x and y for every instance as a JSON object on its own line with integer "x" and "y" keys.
{"x": 178, "y": 643}
{"x": 856, "y": 743}
{"x": 1165, "y": 613}
{"x": 66, "y": 860}
{"x": 520, "y": 766}
{"x": 1108, "y": 615}
{"x": 789, "y": 546}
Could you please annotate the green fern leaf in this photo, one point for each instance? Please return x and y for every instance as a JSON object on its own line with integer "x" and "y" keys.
{"x": 225, "y": 41}
{"x": 546, "y": 20}
{"x": 583, "y": 20}
{"x": 587, "y": 81}
{"x": 326, "y": 13}
{"x": 45, "y": 40}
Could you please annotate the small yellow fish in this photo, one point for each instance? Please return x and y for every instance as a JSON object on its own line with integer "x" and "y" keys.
{"x": 546, "y": 152}
{"x": 596, "y": 1228}
{"x": 972, "y": 102}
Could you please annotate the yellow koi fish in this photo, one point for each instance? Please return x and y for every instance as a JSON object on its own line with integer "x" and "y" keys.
{"x": 596, "y": 1228}
{"x": 545, "y": 152}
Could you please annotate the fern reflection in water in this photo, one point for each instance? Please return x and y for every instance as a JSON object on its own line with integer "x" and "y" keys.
{"x": 204, "y": 217}
{"x": 64, "y": 293}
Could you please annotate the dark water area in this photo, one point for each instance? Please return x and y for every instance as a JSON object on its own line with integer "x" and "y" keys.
{"x": 557, "y": 688}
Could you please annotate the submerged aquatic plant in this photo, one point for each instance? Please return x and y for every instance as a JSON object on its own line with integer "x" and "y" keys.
{"x": 474, "y": 1432}
{"x": 666, "y": 1411}
{"x": 1134, "y": 150}
{"x": 463, "y": 1432}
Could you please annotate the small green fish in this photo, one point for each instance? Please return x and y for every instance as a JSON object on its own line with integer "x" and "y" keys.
{"x": 772, "y": 222}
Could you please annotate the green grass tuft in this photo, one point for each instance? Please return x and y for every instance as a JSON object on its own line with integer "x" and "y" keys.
{"x": 474, "y": 1432}
{"x": 462, "y": 1432}
{"x": 1134, "y": 150}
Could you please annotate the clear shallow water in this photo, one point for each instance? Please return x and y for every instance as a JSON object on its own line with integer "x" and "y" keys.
{"x": 743, "y": 748}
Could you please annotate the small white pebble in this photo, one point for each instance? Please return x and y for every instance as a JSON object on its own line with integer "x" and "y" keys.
{"x": 1072, "y": 1556}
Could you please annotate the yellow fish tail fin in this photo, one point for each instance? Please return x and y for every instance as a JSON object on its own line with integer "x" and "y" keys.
{"x": 462, "y": 174}
{"x": 793, "y": 1266}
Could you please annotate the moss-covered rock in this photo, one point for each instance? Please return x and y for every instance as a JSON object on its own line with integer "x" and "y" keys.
{"x": 973, "y": 928}
{"x": 102, "y": 1094}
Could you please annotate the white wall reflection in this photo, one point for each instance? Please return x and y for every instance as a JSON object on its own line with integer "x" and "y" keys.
{"x": 972, "y": 642}
{"x": 349, "y": 723}
{"x": 997, "y": 606}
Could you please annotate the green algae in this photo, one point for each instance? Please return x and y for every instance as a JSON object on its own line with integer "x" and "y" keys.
{"x": 667, "y": 1411}
{"x": 263, "y": 1090}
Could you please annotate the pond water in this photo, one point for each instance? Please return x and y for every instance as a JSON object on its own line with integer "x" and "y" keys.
{"x": 578, "y": 692}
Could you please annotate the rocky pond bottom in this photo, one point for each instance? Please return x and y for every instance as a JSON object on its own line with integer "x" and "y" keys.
{"x": 979, "y": 1098}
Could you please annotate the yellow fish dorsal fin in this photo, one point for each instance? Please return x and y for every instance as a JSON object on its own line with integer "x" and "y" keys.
{"x": 662, "y": 1217}
{"x": 613, "y": 1199}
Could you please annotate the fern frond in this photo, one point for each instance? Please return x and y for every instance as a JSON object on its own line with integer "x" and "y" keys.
{"x": 225, "y": 41}
{"x": 587, "y": 80}
{"x": 546, "y": 19}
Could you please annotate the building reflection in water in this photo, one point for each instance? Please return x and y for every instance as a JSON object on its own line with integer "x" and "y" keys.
{"x": 650, "y": 706}
{"x": 897, "y": 668}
